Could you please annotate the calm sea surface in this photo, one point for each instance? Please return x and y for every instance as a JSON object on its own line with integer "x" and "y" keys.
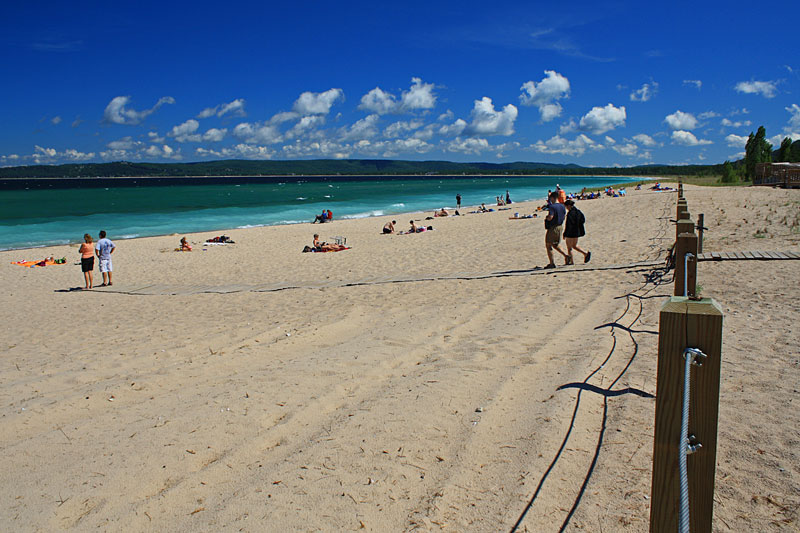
{"x": 46, "y": 212}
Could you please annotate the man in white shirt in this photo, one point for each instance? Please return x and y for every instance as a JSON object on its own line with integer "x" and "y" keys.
{"x": 104, "y": 250}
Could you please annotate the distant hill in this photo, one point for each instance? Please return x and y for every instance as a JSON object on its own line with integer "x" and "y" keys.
{"x": 328, "y": 167}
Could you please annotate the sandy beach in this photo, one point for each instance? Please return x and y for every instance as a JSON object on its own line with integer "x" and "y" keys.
{"x": 354, "y": 400}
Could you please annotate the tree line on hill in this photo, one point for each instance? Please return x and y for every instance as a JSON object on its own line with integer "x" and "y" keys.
{"x": 351, "y": 167}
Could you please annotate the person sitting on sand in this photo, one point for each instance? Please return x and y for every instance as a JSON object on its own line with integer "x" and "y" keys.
{"x": 389, "y": 227}
{"x": 321, "y": 218}
{"x": 185, "y": 246}
{"x": 483, "y": 209}
{"x": 413, "y": 228}
{"x": 442, "y": 213}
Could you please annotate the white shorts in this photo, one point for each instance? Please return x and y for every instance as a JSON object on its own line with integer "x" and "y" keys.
{"x": 105, "y": 265}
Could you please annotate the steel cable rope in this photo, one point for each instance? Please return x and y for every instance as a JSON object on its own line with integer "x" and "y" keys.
{"x": 655, "y": 281}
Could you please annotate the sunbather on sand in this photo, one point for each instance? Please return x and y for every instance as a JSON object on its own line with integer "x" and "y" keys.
{"x": 442, "y": 213}
{"x": 185, "y": 246}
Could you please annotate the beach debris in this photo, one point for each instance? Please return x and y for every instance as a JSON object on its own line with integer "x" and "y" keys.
{"x": 111, "y": 398}
{"x": 288, "y": 334}
{"x": 479, "y": 409}
{"x": 370, "y": 481}
{"x": 197, "y": 510}
{"x": 191, "y": 452}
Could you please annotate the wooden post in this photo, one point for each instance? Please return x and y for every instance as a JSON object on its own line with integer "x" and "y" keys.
{"x": 680, "y": 189}
{"x": 695, "y": 324}
{"x": 700, "y": 229}
{"x": 684, "y": 225}
{"x": 683, "y": 207}
{"x": 686, "y": 243}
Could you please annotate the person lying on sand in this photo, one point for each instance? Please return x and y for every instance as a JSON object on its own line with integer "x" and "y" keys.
{"x": 318, "y": 246}
{"x": 483, "y": 208}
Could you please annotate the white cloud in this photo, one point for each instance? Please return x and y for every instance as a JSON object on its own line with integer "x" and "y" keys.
{"x": 560, "y": 145}
{"x": 487, "y": 121}
{"x": 627, "y": 149}
{"x": 645, "y": 93}
{"x": 117, "y": 113}
{"x": 153, "y": 137}
{"x": 392, "y": 148}
{"x": 696, "y": 83}
{"x": 794, "y": 110}
{"x": 322, "y": 148}
{"x": 215, "y": 135}
{"x": 317, "y": 103}
{"x": 247, "y": 151}
{"x": 681, "y": 121}
{"x": 470, "y": 145}
{"x": 51, "y": 155}
{"x": 257, "y": 133}
{"x": 738, "y": 141}
{"x": 235, "y": 108}
{"x": 378, "y": 101}
{"x": 705, "y": 115}
{"x": 731, "y": 124}
{"x": 305, "y": 125}
{"x": 164, "y": 152}
{"x": 126, "y": 143}
{"x": 74, "y": 155}
{"x": 398, "y": 129}
{"x": 687, "y": 138}
{"x": 602, "y": 119}
{"x": 644, "y": 139}
{"x": 56, "y": 120}
{"x": 455, "y": 129}
{"x": 545, "y": 94}
{"x": 447, "y": 115}
{"x": 418, "y": 96}
{"x": 366, "y": 128}
{"x": 767, "y": 89}
{"x": 186, "y": 132}
{"x": 610, "y": 140}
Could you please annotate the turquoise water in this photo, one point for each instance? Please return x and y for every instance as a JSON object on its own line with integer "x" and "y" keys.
{"x": 137, "y": 208}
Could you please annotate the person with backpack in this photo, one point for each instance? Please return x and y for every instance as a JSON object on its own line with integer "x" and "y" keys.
{"x": 573, "y": 230}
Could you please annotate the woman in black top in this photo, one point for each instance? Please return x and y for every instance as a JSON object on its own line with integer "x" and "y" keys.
{"x": 573, "y": 229}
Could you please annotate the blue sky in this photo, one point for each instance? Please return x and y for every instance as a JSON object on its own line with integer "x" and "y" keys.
{"x": 597, "y": 84}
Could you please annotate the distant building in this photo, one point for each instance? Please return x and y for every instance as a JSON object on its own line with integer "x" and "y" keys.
{"x": 786, "y": 175}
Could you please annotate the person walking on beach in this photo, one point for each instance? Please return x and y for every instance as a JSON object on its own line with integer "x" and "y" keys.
{"x": 104, "y": 250}
{"x": 458, "y": 201}
{"x": 552, "y": 223}
{"x": 573, "y": 229}
{"x": 87, "y": 261}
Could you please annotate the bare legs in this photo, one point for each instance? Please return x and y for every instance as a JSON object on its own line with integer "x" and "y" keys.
{"x": 572, "y": 244}
{"x": 550, "y": 247}
{"x": 88, "y": 278}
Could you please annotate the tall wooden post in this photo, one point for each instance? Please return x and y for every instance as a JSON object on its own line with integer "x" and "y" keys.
{"x": 700, "y": 229}
{"x": 684, "y": 224}
{"x": 680, "y": 189}
{"x": 685, "y": 274}
{"x": 695, "y": 324}
{"x": 683, "y": 207}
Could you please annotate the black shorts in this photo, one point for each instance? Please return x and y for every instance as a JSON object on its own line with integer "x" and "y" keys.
{"x": 387, "y": 230}
{"x": 87, "y": 264}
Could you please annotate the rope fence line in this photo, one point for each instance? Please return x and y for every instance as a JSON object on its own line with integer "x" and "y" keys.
{"x": 690, "y": 328}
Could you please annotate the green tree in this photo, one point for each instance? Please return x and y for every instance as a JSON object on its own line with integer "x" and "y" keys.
{"x": 786, "y": 150}
{"x": 728, "y": 174}
{"x": 757, "y": 150}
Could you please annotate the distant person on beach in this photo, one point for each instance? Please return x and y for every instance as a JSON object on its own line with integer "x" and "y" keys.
{"x": 442, "y": 213}
{"x": 508, "y": 198}
{"x": 482, "y": 208}
{"x": 321, "y": 218}
{"x": 552, "y": 223}
{"x": 573, "y": 229}
{"x": 562, "y": 195}
{"x": 185, "y": 246}
{"x": 324, "y": 246}
{"x": 104, "y": 250}
{"x": 389, "y": 227}
{"x": 413, "y": 228}
{"x": 458, "y": 201}
{"x": 87, "y": 261}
